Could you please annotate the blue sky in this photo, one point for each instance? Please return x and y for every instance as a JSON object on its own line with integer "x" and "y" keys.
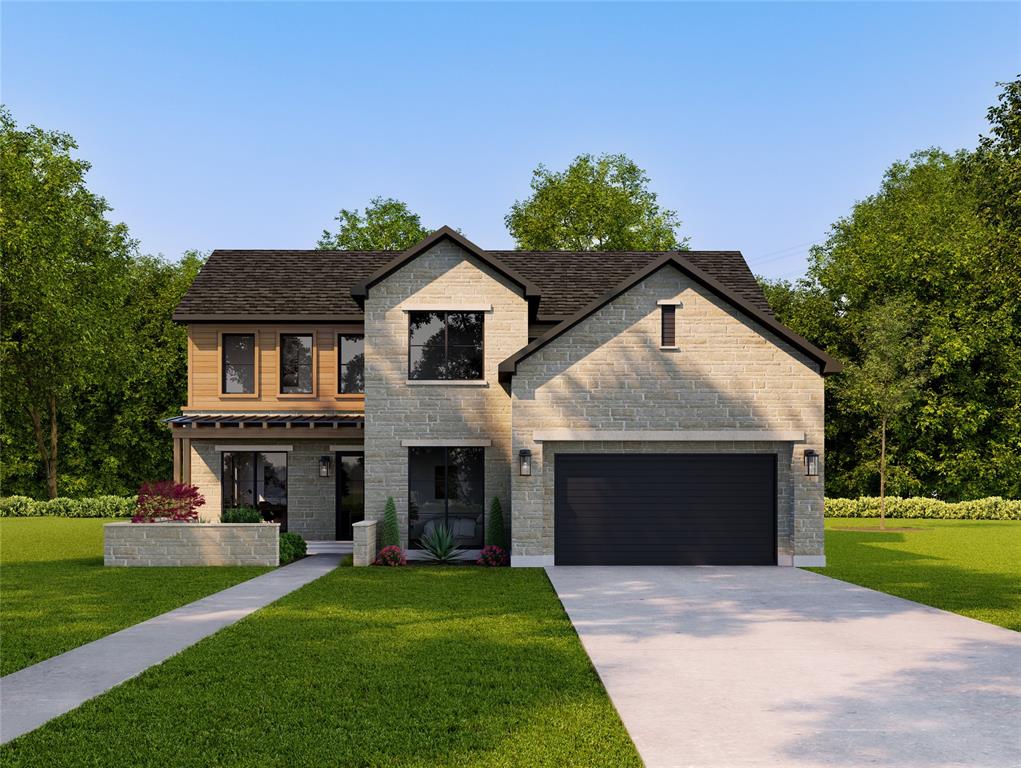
{"x": 234, "y": 125}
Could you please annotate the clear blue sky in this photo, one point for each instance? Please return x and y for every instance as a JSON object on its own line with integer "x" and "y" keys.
{"x": 233, "y": 125}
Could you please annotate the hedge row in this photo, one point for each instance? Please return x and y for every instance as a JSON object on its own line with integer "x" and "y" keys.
{"x": 992, "y": 508}
{"x": 99, "y": 506}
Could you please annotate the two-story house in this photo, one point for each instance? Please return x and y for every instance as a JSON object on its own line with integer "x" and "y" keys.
{"x": 625, "y": 407}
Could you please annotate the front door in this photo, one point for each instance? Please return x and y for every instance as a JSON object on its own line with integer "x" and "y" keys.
{"x": 350, "y": 493}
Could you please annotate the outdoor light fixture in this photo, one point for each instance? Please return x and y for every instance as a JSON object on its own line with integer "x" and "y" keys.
{"x": 811, "y": 463}
{"x": 324, "y": 466}
{"x": 525, "y": 462}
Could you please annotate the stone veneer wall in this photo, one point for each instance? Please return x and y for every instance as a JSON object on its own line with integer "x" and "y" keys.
{"x": 443, "y": 277}
{"x": 311, "y": 500}
{"x": 163, "y": 544}
{"x": 609, "y": 373}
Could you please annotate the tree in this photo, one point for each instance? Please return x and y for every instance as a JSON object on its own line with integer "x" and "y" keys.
{"x": 598, "y": 204}
{"x": 887, "y": 380}
{"x": 391, "y": 534}
{"x": 388, "y": 225}
{"x": 62, "y": 285}
{"x": 495, "y": 533}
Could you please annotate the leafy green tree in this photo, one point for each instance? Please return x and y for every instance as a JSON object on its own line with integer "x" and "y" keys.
{"x": 391, "y": 532}
{"x": 495, "y": 533}
{"x": 62, "y": 286}
{"x": 887, "y": 381}
{"x": 387, "y": 225}
{"x": 598, "y": 204}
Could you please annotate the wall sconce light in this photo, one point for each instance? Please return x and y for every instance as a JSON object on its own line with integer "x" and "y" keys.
{"x": 811, "y": 463}
{"x": 324, "y": 466}
{"x": 525, "y": 462}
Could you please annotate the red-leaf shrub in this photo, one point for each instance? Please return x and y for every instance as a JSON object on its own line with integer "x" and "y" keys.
{"x": 167, "y": 501}
{"x": 493, "y": 556}
{"x": 391, "y": 556}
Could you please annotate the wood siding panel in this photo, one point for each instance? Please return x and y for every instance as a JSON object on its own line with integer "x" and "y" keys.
{"x": 204, "y": 371}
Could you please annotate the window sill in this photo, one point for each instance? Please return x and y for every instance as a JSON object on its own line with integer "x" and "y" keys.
{"x": 447, "y": 383}
{"x": 297, "y": 395}
{"x": 673, "y": 347}
{"x": 239, "y": 395}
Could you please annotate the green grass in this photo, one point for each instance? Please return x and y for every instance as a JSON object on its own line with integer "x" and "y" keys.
{"x": 365, "y": 667}
{"x": 971, "y": 567}
{"x": 55, "y": 593}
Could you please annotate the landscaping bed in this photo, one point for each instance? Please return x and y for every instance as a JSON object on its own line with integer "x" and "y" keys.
{"x": 366, "y": 666}
{"x": 57, "y": 595}
{"x": 970, "y": 567}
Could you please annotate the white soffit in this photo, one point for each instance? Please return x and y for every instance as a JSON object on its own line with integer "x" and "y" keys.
{"x": 681, "y": 435}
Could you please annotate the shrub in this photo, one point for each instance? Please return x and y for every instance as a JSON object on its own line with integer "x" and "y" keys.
{"x": 438, "y": 545}
{"x": 241, "y": 515}
{"x": 167, "y": 501}
{"x": 347, "y": 561}
{"x": 493, "y": 556}
{"x": 495, "y": 533}
{"x": 292, "y": 547}
{"x": 391, "y": 556}
{"x": 991, "y": 508}
{"x": 391, "y": 533}
{"x": 99, "y": 506}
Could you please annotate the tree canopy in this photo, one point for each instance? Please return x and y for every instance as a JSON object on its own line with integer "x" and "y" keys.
{"x": 386, "y": 225}
{"x": 597, "y": 204}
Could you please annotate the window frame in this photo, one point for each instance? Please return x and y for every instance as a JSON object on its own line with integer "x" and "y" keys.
{"x": 446, "y": 488}
{"x": 668, "y": 314}
{"x": 446, "y": 344}
{"x": 280, "y": 364}
{"x": 220, "y": 350}
{"x": 340, "y": 373}
{"x": 257, "y": 464}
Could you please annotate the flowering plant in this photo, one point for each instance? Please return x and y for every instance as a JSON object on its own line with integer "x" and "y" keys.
{"x": 167, "y": 501}
{"x": 493, "y": 556}
{"x": 391, "y": 556}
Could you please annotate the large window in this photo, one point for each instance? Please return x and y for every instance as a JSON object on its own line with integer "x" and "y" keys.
{"x": 445, "y": 487}
{"x": 238, "y": 365}
{"x": 445, "y": 345}
{"x": 351, "y": 359}
{"x": 259, "y": 480}
{"x": 296, "y": 363}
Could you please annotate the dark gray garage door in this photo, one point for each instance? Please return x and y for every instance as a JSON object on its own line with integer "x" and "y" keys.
{"x": 665, "y": 509}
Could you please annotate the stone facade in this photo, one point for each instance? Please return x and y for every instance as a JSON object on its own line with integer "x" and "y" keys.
{"x": 609, "y": 373}
{"x": 444, "y": 277}
{"x": 168, "y": 544}
{"x": 311, "y": 500}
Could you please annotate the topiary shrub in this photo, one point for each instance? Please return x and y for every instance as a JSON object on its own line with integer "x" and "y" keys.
{"x": 392, "y": 556}
{"x": 495, "y": 533}
{"x": 391, "y": 533}
{"x": 292, "y": 547}
{"x": 493, "y": 556}
{"x": 167, "y": 501}
{"x": 241, "y": 515}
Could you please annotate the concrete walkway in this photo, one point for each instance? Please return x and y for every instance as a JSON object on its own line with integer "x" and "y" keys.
{"x": 36, "y": 694}
{"x": 783, "y": 667}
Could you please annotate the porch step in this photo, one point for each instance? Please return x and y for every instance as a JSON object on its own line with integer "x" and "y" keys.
{"x": 330, "y": 547}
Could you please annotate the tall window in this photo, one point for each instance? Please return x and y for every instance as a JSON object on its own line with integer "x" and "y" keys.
{"x": 445, "y": 487}
{"x": 669, "y": 325}
{"x": 351, "y": 356}
{"x": 238, "y": 363}
{"x": 257, "y": 480}
{"x": 445, "y": 345}
{"x": 296, "y": 363}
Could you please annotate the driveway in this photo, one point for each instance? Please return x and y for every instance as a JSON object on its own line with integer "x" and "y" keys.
{"x": 784, "y": 667}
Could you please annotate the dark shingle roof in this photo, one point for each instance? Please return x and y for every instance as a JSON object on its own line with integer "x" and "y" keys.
{"x": 266, "y": 285}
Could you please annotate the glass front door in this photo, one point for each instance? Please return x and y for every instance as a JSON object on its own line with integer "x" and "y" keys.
{"x": 350, "y": 493}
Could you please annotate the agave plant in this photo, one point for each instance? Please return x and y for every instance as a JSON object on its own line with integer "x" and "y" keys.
{"x": 439, "y": 545}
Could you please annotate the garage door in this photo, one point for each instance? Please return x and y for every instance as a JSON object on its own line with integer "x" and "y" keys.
{"x": 665, "y": 509}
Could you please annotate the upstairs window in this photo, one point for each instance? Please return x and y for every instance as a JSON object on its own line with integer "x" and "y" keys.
{"x": 668, "y": 334}
{"x": 296, "y": 363}
{"x": 238, "y": 364}
{"x": 445, "y": 346}
{"x": 351, "y": 361}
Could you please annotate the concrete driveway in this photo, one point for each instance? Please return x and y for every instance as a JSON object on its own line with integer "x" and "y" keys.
{"x": 783, "y": 667}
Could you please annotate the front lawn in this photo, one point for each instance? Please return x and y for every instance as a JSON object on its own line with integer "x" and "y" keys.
{"x": 55, "y": 593}
{"x": 366, "y": 666}
{"x": 971, "y": 567}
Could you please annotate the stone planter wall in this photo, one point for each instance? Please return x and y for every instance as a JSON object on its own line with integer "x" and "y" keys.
{"x": 162, "y": 544}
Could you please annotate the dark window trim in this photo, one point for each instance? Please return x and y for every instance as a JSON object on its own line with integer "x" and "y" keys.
{"x": 223, "y": 363}
{"x": 446, "y": 335}
{"x": 446, "y": 496}
{"x": 280, "y": 362}
{"x": 340, "y": 366}
{"x": 255, "y": 481}
{"x": 668, "y": 325}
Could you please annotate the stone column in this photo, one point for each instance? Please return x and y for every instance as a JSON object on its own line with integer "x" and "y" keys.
{"x": 364, "y": 542}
